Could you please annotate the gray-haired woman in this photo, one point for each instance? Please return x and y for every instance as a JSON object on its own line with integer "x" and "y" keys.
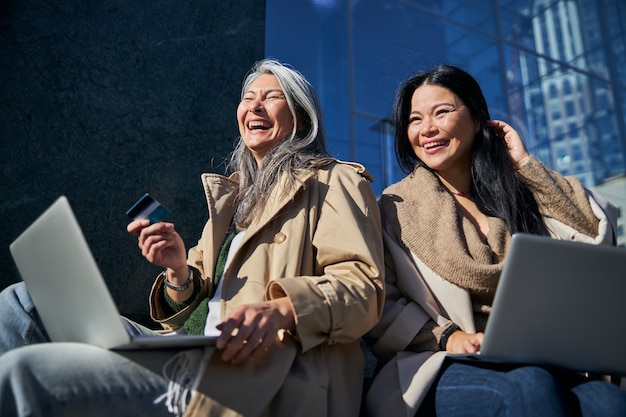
{"x": 286, "y": 274}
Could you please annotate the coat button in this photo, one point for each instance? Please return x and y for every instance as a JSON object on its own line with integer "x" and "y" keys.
{"x": 279, "y": 237}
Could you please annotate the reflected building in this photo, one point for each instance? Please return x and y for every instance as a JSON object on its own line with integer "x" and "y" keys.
{"x": 570, "y": 84}
{"x": 569, "y": 93}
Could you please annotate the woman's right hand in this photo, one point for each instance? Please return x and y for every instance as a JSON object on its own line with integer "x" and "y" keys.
{"x": 160, "y": 244}
{"x": 461, "y": 342}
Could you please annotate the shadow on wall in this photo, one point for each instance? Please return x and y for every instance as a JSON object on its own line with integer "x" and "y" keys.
{"x": 105, "y": 101}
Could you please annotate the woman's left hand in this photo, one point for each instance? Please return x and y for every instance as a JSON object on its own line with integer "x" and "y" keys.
{"x": 257, "y": 326}
{"x": 514, "y": 142}
{"x": 461, "y": 342}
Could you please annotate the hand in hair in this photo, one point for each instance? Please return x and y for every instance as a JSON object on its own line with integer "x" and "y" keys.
{"x": 514, "y": 142}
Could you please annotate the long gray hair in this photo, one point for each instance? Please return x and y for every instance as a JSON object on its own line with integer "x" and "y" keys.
{"x": 302, "y": 151}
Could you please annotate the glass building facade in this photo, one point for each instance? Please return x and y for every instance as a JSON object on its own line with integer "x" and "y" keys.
{"x": 554, "y": 69}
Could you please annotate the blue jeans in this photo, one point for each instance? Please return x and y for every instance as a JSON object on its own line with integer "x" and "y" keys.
{"x": 471, "y": 389}
{"x": 68, "y": 379}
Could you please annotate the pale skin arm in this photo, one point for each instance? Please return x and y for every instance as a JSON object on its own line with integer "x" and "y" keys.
{"x": 250, "y": 331}
{"x": 514, "y": 142}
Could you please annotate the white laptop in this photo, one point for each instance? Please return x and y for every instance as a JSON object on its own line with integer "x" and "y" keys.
{"x": 559, "y": 303}
{"x": 68, "y": 290}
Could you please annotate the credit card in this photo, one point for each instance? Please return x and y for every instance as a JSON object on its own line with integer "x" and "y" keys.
{"x": 148, "y": 208}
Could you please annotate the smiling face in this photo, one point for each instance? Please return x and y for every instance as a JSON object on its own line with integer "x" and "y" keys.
{"x": 441, "y": 129}
{"x": 263, "y": 115}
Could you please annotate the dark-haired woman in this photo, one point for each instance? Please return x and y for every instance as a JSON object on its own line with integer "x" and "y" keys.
{"x": 471, "y": 184}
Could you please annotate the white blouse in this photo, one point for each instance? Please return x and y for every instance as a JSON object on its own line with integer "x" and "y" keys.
{"x": 213, "y": 318}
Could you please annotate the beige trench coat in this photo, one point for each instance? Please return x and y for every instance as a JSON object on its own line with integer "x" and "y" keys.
{"x": 402, "y": 384}
{"x": 321, "y": 245}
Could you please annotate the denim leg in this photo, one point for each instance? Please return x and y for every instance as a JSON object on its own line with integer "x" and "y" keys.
{"x": 136, "y": 329}
{"x": 476, "y": 390}
{"x": 73, "y": 379}
{"x": 20, "y": 324}
{"x": 600, "y": 399}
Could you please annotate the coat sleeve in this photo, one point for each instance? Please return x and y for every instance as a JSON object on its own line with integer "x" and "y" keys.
{"x": 561, "y": 198}
{"x": 345, "y": 300}
{"x": 403, "y": 317}
{"x": 570, "y": 211}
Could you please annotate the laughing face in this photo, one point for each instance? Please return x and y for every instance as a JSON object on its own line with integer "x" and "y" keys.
{"x": 441, "y": 129}
{"x": 263, "y": 115}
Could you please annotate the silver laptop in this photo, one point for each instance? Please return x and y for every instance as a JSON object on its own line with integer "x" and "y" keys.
{"x": 68, "y": 290}
{"x": 561, "y": 304}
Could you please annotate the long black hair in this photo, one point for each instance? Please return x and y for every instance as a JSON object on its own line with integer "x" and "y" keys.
{"x": 497, "y": 189}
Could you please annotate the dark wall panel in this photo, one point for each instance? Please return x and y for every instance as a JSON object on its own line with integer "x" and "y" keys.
{"x": 104, "y": 101}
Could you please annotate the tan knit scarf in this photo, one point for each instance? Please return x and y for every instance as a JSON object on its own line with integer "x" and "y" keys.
{"x": 423, "y": 216}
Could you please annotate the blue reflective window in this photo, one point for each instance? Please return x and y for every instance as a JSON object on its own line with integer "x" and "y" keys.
{"x": 541, "y": 64}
